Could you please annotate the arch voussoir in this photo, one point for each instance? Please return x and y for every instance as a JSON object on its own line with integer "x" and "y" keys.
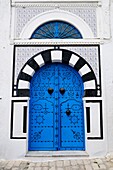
{"x": 62, "y": 56}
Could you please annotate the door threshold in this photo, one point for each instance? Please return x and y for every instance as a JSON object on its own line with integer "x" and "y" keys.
{"x": 57, "y": 154}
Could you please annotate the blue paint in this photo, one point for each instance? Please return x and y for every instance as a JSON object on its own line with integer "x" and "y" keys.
{"x": 56, "y": 30}
{"x": 56, "y": 121}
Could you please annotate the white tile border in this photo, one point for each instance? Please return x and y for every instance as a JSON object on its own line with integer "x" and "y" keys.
{"x": 39, "y": 60}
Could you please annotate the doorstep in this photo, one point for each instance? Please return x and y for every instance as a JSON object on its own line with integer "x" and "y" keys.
{"x": 57, "y": 154}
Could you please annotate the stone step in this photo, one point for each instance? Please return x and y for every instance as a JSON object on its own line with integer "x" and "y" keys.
{"x": 57, "y": 154}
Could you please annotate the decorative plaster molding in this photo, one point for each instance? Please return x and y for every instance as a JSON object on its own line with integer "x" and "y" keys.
{"x": 57, "y": 14}
{"x": 86, "y": 11}
{"x": 106, "y": 22}
{"x": 48, "y": 4}
{"x": 46, "y": 1}
{"x": 105, "y": 19}
{"x": 100, "y": 4}
{"x": 55, "y": 42}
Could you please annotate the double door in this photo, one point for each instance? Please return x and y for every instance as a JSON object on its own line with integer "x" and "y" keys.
{"x": 56, "y": 117}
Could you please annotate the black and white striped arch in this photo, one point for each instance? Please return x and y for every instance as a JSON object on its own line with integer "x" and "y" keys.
{"x": 51, "y": 56}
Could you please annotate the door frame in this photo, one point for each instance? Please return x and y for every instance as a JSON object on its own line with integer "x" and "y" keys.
{"x": 57, "y": 55}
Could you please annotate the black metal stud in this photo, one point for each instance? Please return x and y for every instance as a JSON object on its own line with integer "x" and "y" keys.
{"x": 50, "y": 91}
{"x": 68, "y": 112}
{"x": 62, "y": 91}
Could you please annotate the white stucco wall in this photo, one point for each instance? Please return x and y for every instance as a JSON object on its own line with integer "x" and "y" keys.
{"x": 5, "y": 74}
{"x": 10, "y": 148}
{"x": 107, "y": 60}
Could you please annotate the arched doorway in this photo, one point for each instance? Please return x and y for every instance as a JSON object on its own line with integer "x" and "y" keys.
{"x": 56, "y": 114}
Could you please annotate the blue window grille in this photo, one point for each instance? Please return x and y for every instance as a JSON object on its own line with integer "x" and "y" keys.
{"x": 56, "y": 30}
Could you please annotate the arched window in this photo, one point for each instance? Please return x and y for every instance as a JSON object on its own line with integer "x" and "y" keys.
{"x": 56, "y": 30}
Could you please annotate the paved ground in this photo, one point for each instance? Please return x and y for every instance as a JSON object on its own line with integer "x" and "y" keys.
{"x": 63, "y": 164}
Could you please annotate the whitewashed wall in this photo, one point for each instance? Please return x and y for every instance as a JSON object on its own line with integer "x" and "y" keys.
{"x": 5, "y": 74}
{"x": 9, "y": 149}
{"x": 107, "y": 58}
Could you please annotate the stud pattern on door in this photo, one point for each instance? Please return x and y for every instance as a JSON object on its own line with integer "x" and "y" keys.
{"x": 56, "y": 118}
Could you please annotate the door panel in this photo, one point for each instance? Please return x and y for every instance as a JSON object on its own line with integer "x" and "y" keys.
{"x": 71, "y": 109}
{"x": 72, "y": 126}
{"x": 56, "y": 119}
{"x": 42, "y": 109}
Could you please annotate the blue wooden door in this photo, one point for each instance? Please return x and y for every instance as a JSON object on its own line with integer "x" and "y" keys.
{"x": 56, "y": 118}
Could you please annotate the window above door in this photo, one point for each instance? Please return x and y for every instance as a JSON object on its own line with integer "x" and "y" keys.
{"x": 56, "y": 30}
